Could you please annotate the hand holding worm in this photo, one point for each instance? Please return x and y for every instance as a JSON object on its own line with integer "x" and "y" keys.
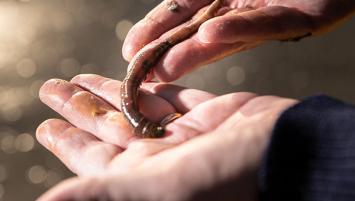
{"x": 241, "y": 25}
{"x": 97, "y": 144}
{"x": 144, "y": 61}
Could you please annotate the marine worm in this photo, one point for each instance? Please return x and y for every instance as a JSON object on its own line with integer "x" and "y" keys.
{"x": 142, "y": 63}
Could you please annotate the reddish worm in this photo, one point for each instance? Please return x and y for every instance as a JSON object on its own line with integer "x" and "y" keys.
{"x": 142, "y": 64}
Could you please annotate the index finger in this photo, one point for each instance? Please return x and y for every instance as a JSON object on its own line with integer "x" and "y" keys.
{"x": 162, "y": 18}
{"x": 182, "y": 99}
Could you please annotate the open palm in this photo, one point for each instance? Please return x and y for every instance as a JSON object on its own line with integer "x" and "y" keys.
{"x": 112, "y": 163}
{"x": 242, "y": 24}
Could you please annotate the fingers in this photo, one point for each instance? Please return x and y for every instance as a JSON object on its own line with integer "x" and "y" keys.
{"x": 202, "y": 118}
{"x": 109, "y": 90}
{"x": 167, "y": 96}
{"x": 183, "y": 99}
{"x": 207, "y": 116}
{"x": 266, "y": 23}
{"x": 79, "y": 150}
{"x": 192, "y": 53}
{"x": 189, "y": 54}
{"x": 158, "y": 21}
{"x": 87, "y": 111}
{"x": 94, "y": 115}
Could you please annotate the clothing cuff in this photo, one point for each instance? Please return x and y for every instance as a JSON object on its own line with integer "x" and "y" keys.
{"x": 311, "y": 154}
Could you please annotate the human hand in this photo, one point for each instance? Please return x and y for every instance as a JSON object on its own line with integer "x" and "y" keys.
{"x": 220, "y": 163}
{"x": 242, "y": 25}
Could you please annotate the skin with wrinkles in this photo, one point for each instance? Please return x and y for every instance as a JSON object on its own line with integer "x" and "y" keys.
{"x": 240, "y": 25}
{"x": 142, "y": 64}
{"x": 97, "y": 143}
{"x": 101, "y": 147}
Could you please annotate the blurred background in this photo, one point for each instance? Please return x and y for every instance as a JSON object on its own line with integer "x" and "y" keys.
{"x": 41, "y": 39}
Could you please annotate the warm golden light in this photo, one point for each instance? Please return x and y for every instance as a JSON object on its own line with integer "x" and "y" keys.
{"x": 44, "y": 39}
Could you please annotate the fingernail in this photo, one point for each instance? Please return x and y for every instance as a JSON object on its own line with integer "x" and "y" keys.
{"x": 47, "y": 130}
{"x": 205, "y": 34}
{"x": 128, "y": 50}
{"x": 43, "y": 137}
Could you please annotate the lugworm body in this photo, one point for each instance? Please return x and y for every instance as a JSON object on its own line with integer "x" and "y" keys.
{"x": 142, "y": 64}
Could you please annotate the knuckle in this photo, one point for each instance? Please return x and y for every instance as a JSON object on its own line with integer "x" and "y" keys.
{"x": 76, "y": 98}
{"x": 80, "y": 95}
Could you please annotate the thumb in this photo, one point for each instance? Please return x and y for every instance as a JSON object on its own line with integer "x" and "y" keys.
{"x": 76, "y": 189}
{"x": 267, "y": 23}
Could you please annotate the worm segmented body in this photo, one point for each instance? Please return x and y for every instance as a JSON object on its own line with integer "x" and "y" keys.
{"x": 142, "y": 64}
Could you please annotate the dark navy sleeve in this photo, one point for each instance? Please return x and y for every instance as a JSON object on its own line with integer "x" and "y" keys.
{"x": 311, "y": 154}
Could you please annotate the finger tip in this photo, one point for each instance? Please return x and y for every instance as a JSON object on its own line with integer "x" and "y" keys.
{"x": 77, "y": 78}
{"x": 131, "y": 46}
{"x": 84, "y": 78}
{"x": 135, "y": 40}
{"x": 55, "y": 92}
{"x": 227, "y": 29}
{"x": 50, "y": 127}
{"x": 127, "y": 52}
{"x": 46, "y": 88}
{"x": 207, "y": 32}
{"x": 41, "y": 132}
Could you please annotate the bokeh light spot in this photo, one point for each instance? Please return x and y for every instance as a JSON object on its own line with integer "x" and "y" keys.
{"x": 122, "y": 29}
{"x": 26, "y": 68}
{"x": 7, "y": 144}
{"x": 36, "y": 174}
{"x": 88, "y": 68}
{"x": 52, "y": 178}
{"x": 11, "y": 114}
{"x": 69, "y": 67}
{"x": 24, "y": 142}
{"x": 235, "y": 76}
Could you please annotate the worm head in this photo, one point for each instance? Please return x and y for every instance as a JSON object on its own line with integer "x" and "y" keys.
{"x": 152, "y": 130}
